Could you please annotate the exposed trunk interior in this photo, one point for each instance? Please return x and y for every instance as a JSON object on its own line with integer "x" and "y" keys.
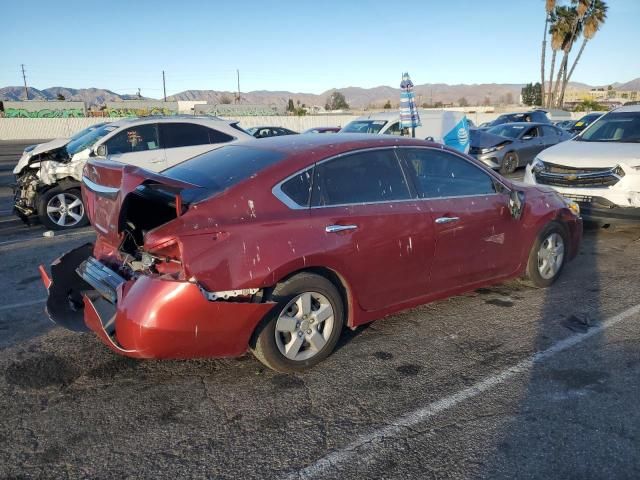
{"x": 144, "y": 209}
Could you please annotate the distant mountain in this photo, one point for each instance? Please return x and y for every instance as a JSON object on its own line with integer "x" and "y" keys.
{"x": 632, "y": 85}
{"x": 92, "y": 96}
{"x": 475, "y": 94}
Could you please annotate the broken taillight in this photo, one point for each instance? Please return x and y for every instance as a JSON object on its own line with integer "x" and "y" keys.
{"x": 165, "y": 258}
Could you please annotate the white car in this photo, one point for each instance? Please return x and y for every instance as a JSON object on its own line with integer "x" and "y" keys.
{"x": 48, "y": 177}
{"x": 599, "y": 169}
{"x": 446, "y": 127}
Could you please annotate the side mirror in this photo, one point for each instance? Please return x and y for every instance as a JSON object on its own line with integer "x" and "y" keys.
{"x": 516, "y": 204}
{"x": 101, "y": 150}
{"x": 527, "y": 137}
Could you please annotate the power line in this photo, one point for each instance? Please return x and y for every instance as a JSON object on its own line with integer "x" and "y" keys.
{"x": 24, "y": 78}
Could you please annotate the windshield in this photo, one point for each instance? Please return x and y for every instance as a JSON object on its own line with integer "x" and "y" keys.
{"x": 511, "y": 131}
{"x": 88, "y": 139}
{"x": 364, "y": 126}
{"x": 82, "y": 133}
{"x": 622, "y": 127}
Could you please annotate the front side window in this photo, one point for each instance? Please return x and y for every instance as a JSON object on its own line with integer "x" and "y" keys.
{"x": 440, "y": 174}
{"x": 134, "y": 139}
{"x": 363, "y": 177}
{"x": 532, "y": 132}
{"x": 394, "y": 129}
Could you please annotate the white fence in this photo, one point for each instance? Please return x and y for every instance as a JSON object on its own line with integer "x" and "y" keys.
{"x": 44, "y": 128}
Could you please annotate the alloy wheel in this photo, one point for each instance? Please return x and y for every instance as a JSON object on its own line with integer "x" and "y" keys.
{"x": 550, "y": 256}
{"x": 65, "y": 209}
{"x": 304, "y": 326}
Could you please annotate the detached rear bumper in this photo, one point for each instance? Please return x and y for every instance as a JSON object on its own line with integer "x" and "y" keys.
{"x": 146, "y": 317}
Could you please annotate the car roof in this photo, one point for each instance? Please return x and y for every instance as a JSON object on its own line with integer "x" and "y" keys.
{"x": 201, "y": 120}
{"x": 526, "y": 124}
{"x": 627, "y": 108}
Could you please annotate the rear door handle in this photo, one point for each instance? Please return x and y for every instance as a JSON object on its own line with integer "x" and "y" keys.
{"x": 442, "y": 220}
{"x": 339, "y": 228}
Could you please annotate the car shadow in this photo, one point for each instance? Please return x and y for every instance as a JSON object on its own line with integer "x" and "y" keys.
{"x": 549, "y": 431}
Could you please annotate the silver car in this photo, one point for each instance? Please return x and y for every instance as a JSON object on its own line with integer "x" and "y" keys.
{"x": 512, "y": 145}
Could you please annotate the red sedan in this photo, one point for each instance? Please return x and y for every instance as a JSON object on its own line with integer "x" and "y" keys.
{"x": 275, "y": 246}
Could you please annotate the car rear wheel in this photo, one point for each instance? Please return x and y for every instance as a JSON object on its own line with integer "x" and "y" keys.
{"x": 509, "y": 163}
{"x": 547, "y": 256}
{"x": 304, "y": 327}
{"x": 61, "y": 209}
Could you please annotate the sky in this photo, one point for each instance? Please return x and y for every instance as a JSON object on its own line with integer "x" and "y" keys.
{"x": 300, "y": 46}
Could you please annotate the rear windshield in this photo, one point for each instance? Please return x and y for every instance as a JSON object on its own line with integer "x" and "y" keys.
{"x": 222, "y": 168}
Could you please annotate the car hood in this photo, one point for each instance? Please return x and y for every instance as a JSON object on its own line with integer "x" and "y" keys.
{"x": 482, "y": 139}
{"x": 592, "y": 154}
{"x": 40, "y": 148}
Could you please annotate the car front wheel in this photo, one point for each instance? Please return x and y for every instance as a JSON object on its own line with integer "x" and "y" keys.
{"x": 509, "y": 163}
{"x": 303, "y": 328}
{"x": 547, "y": 256}
{"x": 61, "y": 209}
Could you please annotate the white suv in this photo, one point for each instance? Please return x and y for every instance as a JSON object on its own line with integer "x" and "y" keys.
{"x": 599, "y": 169}
{"x": 48, "y": 179}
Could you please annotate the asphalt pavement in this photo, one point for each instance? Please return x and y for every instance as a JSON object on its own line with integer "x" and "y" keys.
{"x": 505, "y": 382}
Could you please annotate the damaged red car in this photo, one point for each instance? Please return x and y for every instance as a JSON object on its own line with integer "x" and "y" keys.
{"x": 276, "y": 246}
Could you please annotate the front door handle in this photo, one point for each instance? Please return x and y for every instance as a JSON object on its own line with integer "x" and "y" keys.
{"x": 442, "y": 220}
{"x": 339, "y": 228}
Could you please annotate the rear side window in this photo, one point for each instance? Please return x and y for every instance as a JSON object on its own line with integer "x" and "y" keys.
{"x": 298, "y": 188}
{"x": 134, "y": 139}
{"x": 550, "y": 131}
{"x": 442, "y": 174}
{"x": 364, "y": 177}
{"x": 188, "y": 134}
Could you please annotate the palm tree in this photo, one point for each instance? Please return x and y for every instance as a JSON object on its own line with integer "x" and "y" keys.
{"x": 593, "y": 20}
{"x": 549, "y": 7}
{"x": 578, "y": 10}
{"x": 559, "y": 29}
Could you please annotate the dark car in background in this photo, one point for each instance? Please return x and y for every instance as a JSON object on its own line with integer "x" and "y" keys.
{"x": 538, "y": 116}
{"x": 265, "y": 132}
{"x": 585, "y": 121}
{"x": 509, "y": 146}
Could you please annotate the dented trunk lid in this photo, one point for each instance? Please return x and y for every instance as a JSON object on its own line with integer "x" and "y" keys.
{"x": 105, "y": 186}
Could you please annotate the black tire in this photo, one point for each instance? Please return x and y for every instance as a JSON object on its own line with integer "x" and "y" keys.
{"x": 51, "y": 220}
{"x": 264, "y": 344}
{"x": 533, "y": 273}
{"x": 510, "y": 163}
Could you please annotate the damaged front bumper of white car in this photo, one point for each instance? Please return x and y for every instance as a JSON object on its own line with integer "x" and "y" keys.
{"x": 609, "y": 195}
{"x": 37, "y": 177}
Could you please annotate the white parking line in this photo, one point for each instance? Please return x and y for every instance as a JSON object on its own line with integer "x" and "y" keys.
{"x": 365, "y": 445}
{"x": 23, "y": 304}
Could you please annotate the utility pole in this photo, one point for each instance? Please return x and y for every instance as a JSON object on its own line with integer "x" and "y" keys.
{"x": 164, "y": 87}
{"x": 238, "y": 97}
{"x": 24, "y": 78}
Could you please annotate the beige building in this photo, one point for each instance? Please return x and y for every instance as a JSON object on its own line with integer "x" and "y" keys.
{"x": 601, "y": 95}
